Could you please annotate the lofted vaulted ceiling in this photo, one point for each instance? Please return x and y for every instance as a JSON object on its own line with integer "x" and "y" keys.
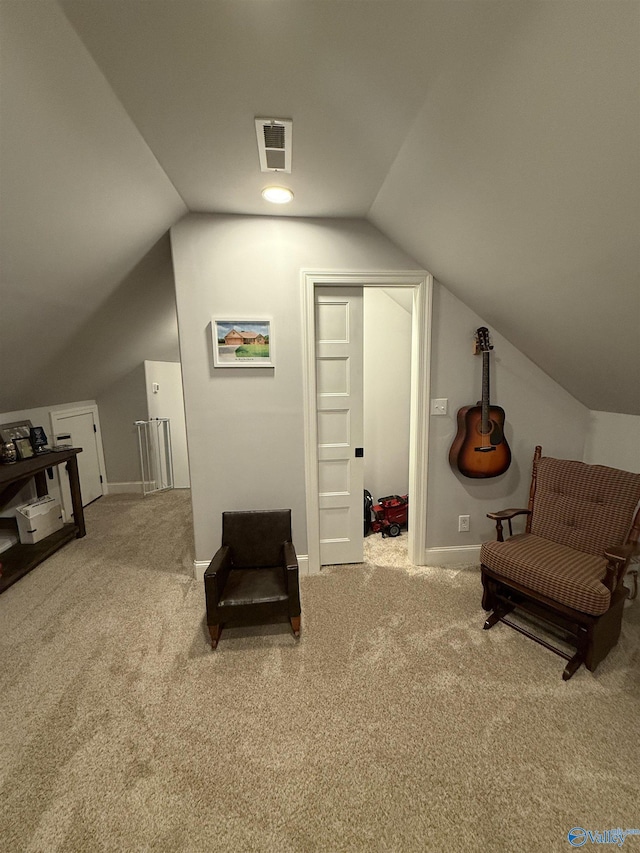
{"x": 495, "y": 142}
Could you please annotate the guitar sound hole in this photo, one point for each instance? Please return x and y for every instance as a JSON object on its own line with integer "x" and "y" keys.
{"x": 488, "y": 430}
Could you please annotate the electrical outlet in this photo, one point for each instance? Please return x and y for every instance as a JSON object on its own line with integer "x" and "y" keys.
{"x": 463, "y": 524}
{"x": 439, "y": 406}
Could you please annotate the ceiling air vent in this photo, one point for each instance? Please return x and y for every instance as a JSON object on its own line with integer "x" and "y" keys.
{"x": 274, "y": 143}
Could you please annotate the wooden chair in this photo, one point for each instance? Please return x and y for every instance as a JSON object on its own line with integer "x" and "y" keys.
{"x": 253, "y": 577}
{"x": 582, "y": 530}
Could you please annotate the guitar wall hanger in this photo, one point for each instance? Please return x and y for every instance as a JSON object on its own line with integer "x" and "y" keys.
{"x": 480, "y": 449}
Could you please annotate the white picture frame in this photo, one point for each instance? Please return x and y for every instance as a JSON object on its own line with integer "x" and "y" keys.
{"x": 242, "y": 342}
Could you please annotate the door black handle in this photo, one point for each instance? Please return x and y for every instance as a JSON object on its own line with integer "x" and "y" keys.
{"x": 359, "y": 451}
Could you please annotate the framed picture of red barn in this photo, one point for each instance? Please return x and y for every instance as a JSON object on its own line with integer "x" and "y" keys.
{"x": 242, "y": 343}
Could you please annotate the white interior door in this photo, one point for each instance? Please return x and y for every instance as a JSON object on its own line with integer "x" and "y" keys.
{"x": 422, "y": 286}
{"x": 339, "y": 387}
{"x": 78, "y": 428}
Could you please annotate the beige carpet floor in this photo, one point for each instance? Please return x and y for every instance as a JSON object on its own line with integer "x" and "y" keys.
{"x": 394, "y": 724}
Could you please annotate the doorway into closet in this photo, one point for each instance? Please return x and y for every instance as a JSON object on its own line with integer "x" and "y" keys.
{"x": 338, "y": 459}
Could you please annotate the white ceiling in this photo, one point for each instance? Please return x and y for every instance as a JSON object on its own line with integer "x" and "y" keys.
{"x": 193, "y": 75}
{"x": 496, "y": 142}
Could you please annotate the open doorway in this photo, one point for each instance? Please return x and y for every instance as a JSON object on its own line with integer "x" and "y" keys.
{"x": 387, "y": 319}
{"x": 420, "y": 285}
{"x": 165, "y": 399}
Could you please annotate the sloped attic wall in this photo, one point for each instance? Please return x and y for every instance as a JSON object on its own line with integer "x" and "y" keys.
{"x": 518, "y": 187}
{"x": 136, "y": 321}
{"x": 84, "y": 203}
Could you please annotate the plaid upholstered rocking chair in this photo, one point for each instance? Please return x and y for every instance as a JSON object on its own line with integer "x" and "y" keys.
{"x": 582, "y": 530}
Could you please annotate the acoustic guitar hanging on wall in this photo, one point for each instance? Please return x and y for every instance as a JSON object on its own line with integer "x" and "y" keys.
{"x": 480, "y": 448}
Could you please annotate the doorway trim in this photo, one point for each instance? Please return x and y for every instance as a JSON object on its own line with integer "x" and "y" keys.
{"x": 422, "y": 284}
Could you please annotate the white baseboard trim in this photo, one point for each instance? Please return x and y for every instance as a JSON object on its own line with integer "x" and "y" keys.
{"x": 201, "y": 566}
{"x": 125, "y": 488}
{"x": 452, "y": 556}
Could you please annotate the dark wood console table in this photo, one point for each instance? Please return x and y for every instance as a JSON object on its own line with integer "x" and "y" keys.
{"x": 20, "y": 559}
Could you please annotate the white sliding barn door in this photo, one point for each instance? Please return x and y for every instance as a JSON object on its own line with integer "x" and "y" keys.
{"x": 339, "y": 386}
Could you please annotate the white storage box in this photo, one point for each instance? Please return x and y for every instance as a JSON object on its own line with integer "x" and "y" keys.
{"x": 38, "y": 519}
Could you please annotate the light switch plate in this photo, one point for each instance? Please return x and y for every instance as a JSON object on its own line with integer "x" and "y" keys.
{"x": 439, "y": 406}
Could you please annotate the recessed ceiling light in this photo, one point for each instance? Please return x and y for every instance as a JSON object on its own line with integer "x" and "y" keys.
{"x": 277, "y": 195}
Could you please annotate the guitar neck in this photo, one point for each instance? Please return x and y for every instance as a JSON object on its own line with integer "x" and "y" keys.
{"x": 485, "y": 391}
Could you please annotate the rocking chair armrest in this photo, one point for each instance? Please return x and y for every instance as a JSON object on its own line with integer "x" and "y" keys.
{"x": 505, "y": 515}
{"x": 618, "y": 556}
{"x": 621, "y": 553}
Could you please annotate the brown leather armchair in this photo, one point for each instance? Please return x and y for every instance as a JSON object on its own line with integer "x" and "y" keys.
{"x": 253, "y": 577}
{"x": 583, "y": 525}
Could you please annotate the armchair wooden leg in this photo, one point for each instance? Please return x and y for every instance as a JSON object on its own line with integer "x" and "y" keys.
{"x": 215, "y": 631}
{"x": 491, "y": 621}
{"x": 489, "y": 600}
{"x": 500, "y": 611}
{"x": 574, "y": 664}
{"x": 295, "y": 624}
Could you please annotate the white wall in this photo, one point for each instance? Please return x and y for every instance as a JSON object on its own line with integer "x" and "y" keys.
{"x": 121, "y": 405}
{"x": 168, "y": 402}
{"x": 614, "y": 440}
{"x": 245, "y": 427}
{"x": 538, "y": 411}
{"x": 387, "y": 381}
{"x": 132, "y": 399}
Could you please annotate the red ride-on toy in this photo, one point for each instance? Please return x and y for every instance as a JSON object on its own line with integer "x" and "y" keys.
{"x": 390, "y": 515}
